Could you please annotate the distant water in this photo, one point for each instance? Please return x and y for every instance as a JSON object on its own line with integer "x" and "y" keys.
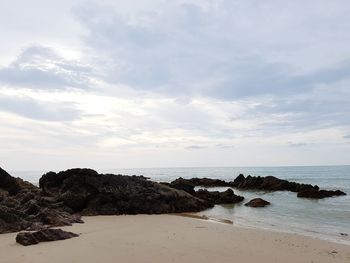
{"x": 324, "y": 219}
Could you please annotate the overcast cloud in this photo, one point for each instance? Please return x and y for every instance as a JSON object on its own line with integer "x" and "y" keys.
{"x": 150, "y": 82}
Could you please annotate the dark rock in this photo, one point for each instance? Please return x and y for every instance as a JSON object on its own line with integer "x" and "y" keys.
{"x": 13, "y": 220}
{"x": 32, "y": 238}
{"x": 11, "y": 186}
{"x": 63, "y": 196}
{"x": 216, "y": 197}
{"x": 183, "y": 184}
{"x": 28, "y": 209}
{"x": 239, "y": 179}
{"x": 33, "y": 215}
{"x": 8, "y": 183}
{"x": 54, "y": 180}
{"x": 86, "y": 191}
{"x": 56, "y": 217}
{"x": 271, "y": 183}
{"x": 206, "y": 182}
{"x": 257, "y": 202}
{"x": 319, "y": 194}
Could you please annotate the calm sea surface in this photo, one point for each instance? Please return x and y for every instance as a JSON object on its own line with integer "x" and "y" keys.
{"x": 325, "y": 219}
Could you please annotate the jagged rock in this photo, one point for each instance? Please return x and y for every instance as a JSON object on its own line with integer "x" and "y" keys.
{"x": 206, "y": 182}
{"x": 32, "y": 238}
{"x": 86, "y": 191}
{"x": 34, "y": 215}
{"x": 319, "y": 194}
{"x": 8, "y": 183}
{"x": 28, "y": 209}
{"x": 257, "y": 202}
{"x": 183, "y": 184}
{"x": 216, "y": 197}
{"x": 13, "y": 220}
{"x": 271, "y": 183}
{"x": 239, "y": 179}
{"x": 62, "y": 196}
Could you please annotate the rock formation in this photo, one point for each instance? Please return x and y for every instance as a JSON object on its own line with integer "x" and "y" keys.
{"x": 24, "y": 207}
{"x": 206, "y": 182}
{"x": 271, "y": 183}
{"x": 216, "y": 197}
{"x": 11, "y": 186}
{"x": 268, "y": 183}
{"x": 62, "y": 197}
{"x": 319, "y": 194}
{"x": 44, "y": 235}
{"x": 89, "y": 193}
{"x": 257, "y": 202}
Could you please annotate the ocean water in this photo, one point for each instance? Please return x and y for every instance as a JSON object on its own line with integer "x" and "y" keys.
{"x": 325, "y": 219}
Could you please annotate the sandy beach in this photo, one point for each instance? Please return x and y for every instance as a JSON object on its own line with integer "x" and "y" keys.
{"x": 171, "y": 238}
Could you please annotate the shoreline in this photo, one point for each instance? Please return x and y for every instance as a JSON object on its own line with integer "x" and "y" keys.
{"x": 273, "y": 228}
{"x": 172, "y": 238}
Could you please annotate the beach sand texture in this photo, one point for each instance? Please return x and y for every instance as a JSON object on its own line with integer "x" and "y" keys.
{"x": 171, "y": 238}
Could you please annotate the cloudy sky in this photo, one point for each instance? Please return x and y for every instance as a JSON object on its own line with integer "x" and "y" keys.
{"x": 158, "y": 83}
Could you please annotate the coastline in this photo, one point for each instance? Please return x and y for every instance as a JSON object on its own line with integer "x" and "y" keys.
{"x": 338, "y": 239}
{"x": 325, "y": 219}
{"x": 172, "y": 238}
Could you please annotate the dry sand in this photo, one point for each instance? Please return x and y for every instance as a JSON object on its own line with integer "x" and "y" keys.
{"x": 170, "y": 238}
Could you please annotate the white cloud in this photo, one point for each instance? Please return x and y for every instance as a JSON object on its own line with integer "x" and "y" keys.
{"x": 42, "y": 68}
{"x": 171, "y": 83}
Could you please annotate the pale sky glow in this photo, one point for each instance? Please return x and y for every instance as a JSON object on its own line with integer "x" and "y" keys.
{"x": 153, "y": 83}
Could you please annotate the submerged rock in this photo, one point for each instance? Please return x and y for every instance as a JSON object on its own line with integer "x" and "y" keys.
{"x": 32, "y": 238}
{"x": 319, "y": 194}
{"x": 257, "y": 202}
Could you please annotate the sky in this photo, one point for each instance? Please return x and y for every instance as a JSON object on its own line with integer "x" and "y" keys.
{"x": 157, "y": 83}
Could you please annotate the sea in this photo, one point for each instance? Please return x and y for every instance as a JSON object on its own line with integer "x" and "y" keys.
{"x": 327, "y": 219}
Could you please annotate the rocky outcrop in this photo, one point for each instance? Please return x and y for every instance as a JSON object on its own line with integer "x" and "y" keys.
{"x": 216, "y": 197}
{"x": 24, "y": 207}
{"x": 90, "y": 193}
{"x": 8, "y": 184}
{"x": 11, "y": 186}
{"x": 257, "y": 202}
{"x": 271, "y": 183}
{"x": 319, "y": 194}
{"x": 268, "y": 183}
{"x": 206, "y": 182}
{"x": 183, "y": 184}
{"x": 32, "y": 238}
{"x": 63, "y": 196}
{"x": 32, "y": 211}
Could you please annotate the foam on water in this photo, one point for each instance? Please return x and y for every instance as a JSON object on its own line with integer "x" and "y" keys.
{"x": 326, "y": 218}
